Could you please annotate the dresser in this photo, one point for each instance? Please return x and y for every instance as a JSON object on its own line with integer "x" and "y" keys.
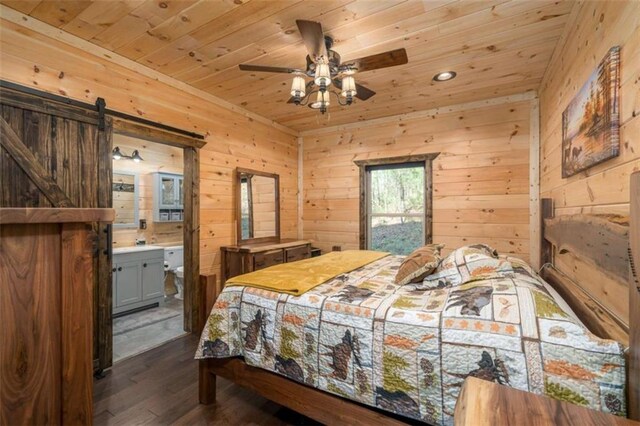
{"x": 243, "y": 258}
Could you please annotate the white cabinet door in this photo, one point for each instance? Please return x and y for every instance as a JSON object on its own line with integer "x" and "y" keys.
{"x": 168, "y": 192}
{"x": 153, "y": 278}
{"x": 180, "y": 189}
{"x": 128, "y": 283}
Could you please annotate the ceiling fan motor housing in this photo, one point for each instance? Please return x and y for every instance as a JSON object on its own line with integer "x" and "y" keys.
{"x": 334, "y": 64}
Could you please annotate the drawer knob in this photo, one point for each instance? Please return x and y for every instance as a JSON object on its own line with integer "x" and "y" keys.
{"x": 144, "y": 265}
{"x": 120, "y": 268}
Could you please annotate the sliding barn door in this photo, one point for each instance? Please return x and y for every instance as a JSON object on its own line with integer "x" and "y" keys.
{"x": 58, "y": 155}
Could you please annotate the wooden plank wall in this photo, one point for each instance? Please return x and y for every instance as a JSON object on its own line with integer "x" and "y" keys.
{"x": 233, "y": 139}
{"x": 480, "y": 178}
{"x": 157, "y": 158}
{"x": 593, "y": 28}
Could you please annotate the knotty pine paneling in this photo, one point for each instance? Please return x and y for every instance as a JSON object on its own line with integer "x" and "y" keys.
{"x": 593, "y": 28}
{"x": 498, "y": 47}
{"x": 480, "y": 178}
{"x": 233, "y": 140}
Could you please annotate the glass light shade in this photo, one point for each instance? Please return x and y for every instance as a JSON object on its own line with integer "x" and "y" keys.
{"x": 348, "y": 86}
{"x": 298, "y": 86}
{"x": 135, "y": 156}
{"x": 116, "y": 154}
{"x": 323, "y": 75}
{"x": 321, "y": 100}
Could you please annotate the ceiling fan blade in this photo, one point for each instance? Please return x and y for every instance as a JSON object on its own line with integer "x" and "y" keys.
{"x": 262, "y": 68}
{"x": 313, "y": 39}
{"x": 362, "y": 93}
{"x": 374, "y": 62}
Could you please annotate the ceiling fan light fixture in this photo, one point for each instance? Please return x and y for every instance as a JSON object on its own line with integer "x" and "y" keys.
{"x": 444, "y": 76}
{"x": 322, "y": 102}
{"x": 349, "y": 87}
{"x": 323, "y": 76}
{"x": 298, "y": 89}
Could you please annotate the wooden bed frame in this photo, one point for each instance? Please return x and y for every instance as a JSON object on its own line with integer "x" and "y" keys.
{"x": 615, "y": 241}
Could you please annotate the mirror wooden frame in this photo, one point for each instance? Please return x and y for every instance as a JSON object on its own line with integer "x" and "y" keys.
{"x": 239, "y": 239}
{"x": 136, "y": 197}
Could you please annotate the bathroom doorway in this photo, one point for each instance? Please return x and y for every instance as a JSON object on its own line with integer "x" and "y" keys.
{"x": 154, "y": 241}
{"x": 147, "y": 245}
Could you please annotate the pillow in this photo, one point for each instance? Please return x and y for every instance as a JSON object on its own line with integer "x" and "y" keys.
{"x": 481, "y": 249}
{"x": 419, "y": 264}
{"x": 470, "y": 263}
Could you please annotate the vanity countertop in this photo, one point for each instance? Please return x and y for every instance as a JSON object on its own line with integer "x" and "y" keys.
{"x": 136, "y": 249}
{"x": 172, "y": 244}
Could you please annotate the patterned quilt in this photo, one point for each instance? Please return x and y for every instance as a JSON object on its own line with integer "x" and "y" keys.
{"x": 407, "y": 349}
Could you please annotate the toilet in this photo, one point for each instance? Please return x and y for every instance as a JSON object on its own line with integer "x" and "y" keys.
{"x": 173, "y": 259}
{"x": 179, "y": 282}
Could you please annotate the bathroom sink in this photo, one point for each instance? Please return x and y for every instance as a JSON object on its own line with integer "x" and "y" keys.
{"x": 136, "y": 249}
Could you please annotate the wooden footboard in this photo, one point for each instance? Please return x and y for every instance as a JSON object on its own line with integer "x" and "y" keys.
{"x": 209, "y": 291}
{"x": 316, "y": 404}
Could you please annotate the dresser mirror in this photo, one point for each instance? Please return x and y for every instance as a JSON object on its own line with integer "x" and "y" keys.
{"x": 258, "y": 206}
{"x": 125, "y": 199}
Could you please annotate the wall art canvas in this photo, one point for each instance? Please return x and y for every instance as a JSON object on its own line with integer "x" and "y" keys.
{"x": 591, "y": 122}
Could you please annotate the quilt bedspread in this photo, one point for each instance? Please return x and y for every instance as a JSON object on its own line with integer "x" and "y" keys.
{"x": 407, "y": 349}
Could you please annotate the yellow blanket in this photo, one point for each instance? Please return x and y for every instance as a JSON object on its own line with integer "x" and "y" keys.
{"x": 297, "y": 278}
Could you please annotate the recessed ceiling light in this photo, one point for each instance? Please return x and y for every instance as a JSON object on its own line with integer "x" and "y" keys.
{"x": 444, "y": 76}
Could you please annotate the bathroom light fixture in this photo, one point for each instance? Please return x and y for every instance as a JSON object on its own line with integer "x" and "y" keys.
{"x": 444, "y": 76}
{"x": 135, "y": 156}
{"x": 116, "y": 154}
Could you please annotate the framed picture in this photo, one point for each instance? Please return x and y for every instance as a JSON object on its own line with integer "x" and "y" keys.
{"x": 591, "y": 122}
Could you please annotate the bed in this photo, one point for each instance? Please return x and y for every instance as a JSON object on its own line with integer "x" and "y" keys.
{"x": 359, "y": 341}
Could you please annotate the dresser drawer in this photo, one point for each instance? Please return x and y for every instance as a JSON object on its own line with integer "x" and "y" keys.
{"x": 267, "y": 258}
{"x": 297, "y": 253}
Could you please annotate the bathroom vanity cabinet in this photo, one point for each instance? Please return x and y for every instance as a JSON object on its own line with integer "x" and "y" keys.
{"x": 138, "y": 278}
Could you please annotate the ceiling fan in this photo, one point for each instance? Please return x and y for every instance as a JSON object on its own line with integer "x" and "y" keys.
{"x": 325, "y": 68}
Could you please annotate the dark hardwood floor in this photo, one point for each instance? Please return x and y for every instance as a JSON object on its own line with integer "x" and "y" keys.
{"x": 160, "y": 387}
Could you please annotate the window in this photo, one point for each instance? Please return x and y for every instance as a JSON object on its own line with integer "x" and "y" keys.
{"x": 395, "y": 203}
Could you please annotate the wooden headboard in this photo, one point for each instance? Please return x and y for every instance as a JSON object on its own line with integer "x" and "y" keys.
{"x": 605, "y": 243}
{"x": 601, "y": 243}
{"x": 633, "y": 372}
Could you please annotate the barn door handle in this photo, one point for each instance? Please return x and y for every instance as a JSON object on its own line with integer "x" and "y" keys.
{"x": 109, "y": 250}
{"x": 632, "y": 266}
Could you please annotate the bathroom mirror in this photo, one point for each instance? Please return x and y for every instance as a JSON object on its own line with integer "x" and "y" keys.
{"x": 125, "y": 199}
{"x": 258, "y": 206}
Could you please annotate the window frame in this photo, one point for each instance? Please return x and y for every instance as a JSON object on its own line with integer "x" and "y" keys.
{"x": 365, "y": 166}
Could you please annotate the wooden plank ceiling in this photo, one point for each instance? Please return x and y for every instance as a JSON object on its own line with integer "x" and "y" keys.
{"x": 497, "y": 47}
